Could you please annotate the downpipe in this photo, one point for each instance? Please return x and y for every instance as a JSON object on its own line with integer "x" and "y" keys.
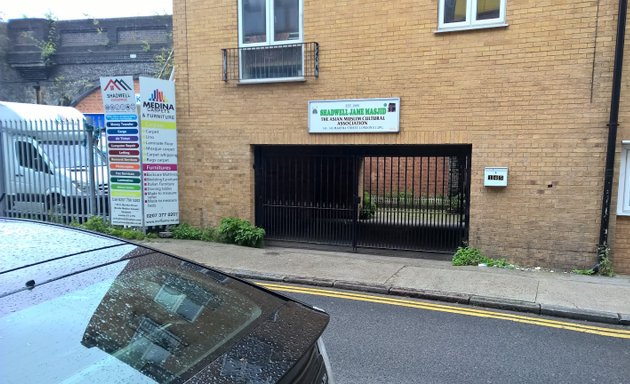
{"x": 612, "y": 133}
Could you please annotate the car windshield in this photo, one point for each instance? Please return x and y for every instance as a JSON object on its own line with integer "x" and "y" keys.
{"x": 146, "y": 317}
{"x": 72, "y": 156}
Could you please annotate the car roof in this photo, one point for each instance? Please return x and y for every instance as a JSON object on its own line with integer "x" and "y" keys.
{"x": 40, "y": 242}
{"x": 51, "y": 260}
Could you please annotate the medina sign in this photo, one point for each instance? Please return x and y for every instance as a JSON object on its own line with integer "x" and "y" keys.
{"x": 142, "y": 151}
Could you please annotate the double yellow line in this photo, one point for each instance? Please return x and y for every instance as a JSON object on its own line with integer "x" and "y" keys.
{"x": 609, "y": 332}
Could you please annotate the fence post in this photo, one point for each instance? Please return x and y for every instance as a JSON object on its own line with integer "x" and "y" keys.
{"x": 89, "y": 129}
{"x": 3, "y": 195}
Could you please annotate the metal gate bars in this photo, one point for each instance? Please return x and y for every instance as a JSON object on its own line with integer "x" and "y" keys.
{"x": 407, "y": 197}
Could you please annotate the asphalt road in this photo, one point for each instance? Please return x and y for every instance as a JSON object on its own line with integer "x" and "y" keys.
{"x": 374, "y": 342}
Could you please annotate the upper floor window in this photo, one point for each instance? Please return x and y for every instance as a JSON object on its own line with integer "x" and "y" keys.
{"x": 471, "y": 14}
{"x": 623, "y": 197}
{"x": 270, "y": 37}
{"x": 270, "y": 21}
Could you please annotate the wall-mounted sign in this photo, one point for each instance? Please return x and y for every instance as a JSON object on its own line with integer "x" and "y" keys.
{"x": 495, "y": 177}
{"x": 354, "y": 116}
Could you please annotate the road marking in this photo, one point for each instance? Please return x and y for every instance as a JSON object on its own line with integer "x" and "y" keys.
{"x": 609, "y": 332}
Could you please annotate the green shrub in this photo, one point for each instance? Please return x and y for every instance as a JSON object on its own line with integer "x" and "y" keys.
{"x": 127, "y": 233}
{"x": 238, "y": 231}
{"x": 186, "y": 232}
{"x": 208, "y": 234}
{"x": 473, "y": 256}
{"x": 468, "y": 256}
{"x": 98, "y": 224}
{"x": 368, "y": 209}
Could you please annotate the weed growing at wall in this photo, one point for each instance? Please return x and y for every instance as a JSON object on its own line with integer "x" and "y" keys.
{"x": 473, "y": 256}
{"x": 605, "y": 264}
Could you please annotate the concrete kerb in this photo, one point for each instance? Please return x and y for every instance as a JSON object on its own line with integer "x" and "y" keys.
{"x": 450, "y": 297}
{"x": 581, "y": 314}
{"x": 510, "y": 305}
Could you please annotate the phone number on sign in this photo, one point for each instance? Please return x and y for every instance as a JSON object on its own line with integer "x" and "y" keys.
{"x": 162, "y": 214}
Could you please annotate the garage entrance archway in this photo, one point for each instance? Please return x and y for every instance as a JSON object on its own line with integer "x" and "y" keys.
{"x": 401, "y": 197}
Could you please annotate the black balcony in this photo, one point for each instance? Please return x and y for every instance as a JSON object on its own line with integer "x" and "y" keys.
{"x": 286, "y": 62}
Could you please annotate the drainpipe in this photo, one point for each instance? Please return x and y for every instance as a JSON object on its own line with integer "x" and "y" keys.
{"x": 612, "y": 127}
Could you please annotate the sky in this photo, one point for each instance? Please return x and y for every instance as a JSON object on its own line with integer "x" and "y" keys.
{"x": 83, "y": 9}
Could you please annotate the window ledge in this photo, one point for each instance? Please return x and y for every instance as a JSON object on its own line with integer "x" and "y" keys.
{"x": 470, "y": 27}
{"x": 272, "y": 80}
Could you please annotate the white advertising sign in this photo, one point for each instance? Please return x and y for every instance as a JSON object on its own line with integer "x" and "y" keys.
{"x": 123, "y": 150}
{"x": 159, "y": 155}
{"x": 354, "y": 116}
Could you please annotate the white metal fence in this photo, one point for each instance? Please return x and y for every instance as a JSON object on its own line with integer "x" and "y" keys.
{"x": 52, "y": 170}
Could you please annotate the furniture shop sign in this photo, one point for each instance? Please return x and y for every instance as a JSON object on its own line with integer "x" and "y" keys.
{"x": 354, "y": 116}
{"x": 159, "y": 155}
{"x": 123, "y": 150}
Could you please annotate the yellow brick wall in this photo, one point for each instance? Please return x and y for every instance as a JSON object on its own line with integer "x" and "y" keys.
{"x": 533, "y": 97}
{"x": 620, "y": 226}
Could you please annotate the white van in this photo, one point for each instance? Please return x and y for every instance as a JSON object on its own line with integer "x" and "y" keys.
{"x": 46, "y": 165}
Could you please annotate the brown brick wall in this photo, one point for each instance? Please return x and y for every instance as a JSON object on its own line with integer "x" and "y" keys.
{"x": 533, "y": 97}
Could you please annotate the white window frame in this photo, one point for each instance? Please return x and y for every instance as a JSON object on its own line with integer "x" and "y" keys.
{"x": 270, "y": 34}
{"x": 623, "y": 193}
{"x": 471, "y": 21}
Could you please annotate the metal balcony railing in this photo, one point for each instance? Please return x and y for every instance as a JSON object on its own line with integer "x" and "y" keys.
{"x": 271, "y": 62}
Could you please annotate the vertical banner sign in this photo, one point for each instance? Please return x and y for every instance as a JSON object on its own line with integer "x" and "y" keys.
{"x": 159, "y": 155}
{"x": 123, "y": 150}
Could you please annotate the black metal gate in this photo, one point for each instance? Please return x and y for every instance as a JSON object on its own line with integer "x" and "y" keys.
{"x": 406, "y": 197}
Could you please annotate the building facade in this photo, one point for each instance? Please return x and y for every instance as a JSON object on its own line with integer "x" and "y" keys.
{"x": 481, "y": 93}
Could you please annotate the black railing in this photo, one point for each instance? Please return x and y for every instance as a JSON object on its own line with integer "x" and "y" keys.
{"x": 271, "y": 62}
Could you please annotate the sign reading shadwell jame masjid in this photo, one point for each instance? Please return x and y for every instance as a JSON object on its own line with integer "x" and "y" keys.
{"x": 354, "y": 116}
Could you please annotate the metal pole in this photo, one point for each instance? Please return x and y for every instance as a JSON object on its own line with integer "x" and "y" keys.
{"x": 89, "y": 129}
{"x": 3, "y": 184}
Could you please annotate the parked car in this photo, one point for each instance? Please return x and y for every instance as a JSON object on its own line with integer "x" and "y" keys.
{"x": 80, "y": 307}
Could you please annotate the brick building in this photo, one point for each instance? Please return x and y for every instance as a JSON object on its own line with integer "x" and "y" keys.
{"x": 474, "y": 85}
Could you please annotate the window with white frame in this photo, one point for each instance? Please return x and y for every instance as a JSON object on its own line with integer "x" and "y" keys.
{"x": 270, "y": 39}
{"x": 470, "y": 14}
{"x": 623, "y": 196}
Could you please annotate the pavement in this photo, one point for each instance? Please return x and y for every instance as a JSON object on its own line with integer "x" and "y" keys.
{"x": 591, "y": 298}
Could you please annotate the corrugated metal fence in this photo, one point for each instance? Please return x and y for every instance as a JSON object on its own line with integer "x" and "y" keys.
{"x": 52, "y": 170}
